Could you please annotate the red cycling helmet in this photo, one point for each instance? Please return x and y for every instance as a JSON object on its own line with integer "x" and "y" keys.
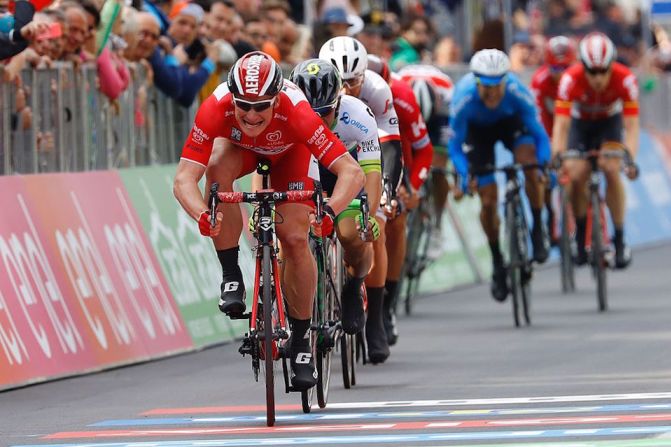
{"x": 379, "y": 66}
{"x": 597, "y": 51}
{"x": 560, "y": 52}
{"x": 254, "y": 75}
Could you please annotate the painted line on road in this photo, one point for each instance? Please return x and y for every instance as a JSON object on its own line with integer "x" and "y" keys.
{"x": 415, "y": 425}
{"x": 420, "y": 403}
{"x": 380, "y": 415}
{"x": 376, "y": 439}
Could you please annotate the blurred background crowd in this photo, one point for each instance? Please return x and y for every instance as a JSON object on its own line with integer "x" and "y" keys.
{"x": 183, "y": 48}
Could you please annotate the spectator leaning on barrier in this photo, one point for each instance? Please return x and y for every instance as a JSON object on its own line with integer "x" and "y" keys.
{"x": 16, "y": 37}
{"x": 76, "y": 34}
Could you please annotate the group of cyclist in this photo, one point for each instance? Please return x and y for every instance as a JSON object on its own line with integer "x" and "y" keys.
{"x": 345, "y": 119}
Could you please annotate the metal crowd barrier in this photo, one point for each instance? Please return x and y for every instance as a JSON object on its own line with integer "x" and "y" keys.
{"x": 73, "y": 127}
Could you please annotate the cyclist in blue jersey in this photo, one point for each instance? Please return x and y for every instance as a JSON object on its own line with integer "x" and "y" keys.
{"x": 490, "y": 105}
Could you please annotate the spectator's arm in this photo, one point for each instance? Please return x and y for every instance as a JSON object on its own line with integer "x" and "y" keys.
{"x": 110, "y": 72}
{"x": 193, "y": 82}
{"x": 166, "y": 78}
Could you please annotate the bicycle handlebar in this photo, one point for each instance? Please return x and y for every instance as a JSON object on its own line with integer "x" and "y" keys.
{"x": 621, "y": 153}
{"x": 213, "y": 201}
{"x": 390, "y": 194}
{"x": 263, "y": 196}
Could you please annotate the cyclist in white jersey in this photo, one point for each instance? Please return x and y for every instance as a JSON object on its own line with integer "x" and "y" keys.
{"x": 350, "y": 57}
{"x": 353, "y": 123}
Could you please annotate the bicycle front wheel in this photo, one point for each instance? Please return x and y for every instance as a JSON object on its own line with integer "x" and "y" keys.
{"x": 514, "y": 262}
{"x": 567, "y": 273}
{"x": 598, "y": 253}
{"x": 268, "y": 334}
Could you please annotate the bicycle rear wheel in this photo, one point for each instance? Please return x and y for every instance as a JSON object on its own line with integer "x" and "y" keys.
{"x": 567, "y": 273}
{"x": 328, "y": 318}
{"x": 598, "y": 253}
{"x": 268, "y": 335}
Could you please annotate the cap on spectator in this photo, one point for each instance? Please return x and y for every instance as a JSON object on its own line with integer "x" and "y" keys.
{"x": 335, "y": 15}
{"x": 187, "y": 9}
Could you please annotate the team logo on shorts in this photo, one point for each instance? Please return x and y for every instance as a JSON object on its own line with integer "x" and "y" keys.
{"x": 236, "y": 134}
{"x": 274, "y": 136}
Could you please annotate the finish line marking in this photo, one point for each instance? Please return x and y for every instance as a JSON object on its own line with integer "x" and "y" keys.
{"x": 395, "y": 426}
{"x": 418, "y": 403}
{"x": 376, "y": 439}
{"x": 310, "y": 417}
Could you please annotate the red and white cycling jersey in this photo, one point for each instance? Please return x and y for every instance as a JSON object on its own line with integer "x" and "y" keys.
{"x": 544, "y": 88}
{"x": 293, "y": 124}
{"x": 576, "y": 98}
{"x": 415, "y": 141}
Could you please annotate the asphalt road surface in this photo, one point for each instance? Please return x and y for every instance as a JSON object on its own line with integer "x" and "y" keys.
{"x": 461, "y": 374}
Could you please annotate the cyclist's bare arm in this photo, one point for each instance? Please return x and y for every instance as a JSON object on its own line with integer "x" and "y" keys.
{"x": 373, "y": 188}
{"x": 185, "y": 188}
{"x": 350, "y": 181}
{"x": 560, "y": 130}
{"x": 631, "y": 134}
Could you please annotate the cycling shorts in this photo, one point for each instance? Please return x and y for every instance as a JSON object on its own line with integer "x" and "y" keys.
{"x": 292, "y": 170}
{"x": 481, "y": 140}
{"x": 586, "y": 135}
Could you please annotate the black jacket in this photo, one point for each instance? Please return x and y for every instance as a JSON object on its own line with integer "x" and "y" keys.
{"x": 13, "y": 43}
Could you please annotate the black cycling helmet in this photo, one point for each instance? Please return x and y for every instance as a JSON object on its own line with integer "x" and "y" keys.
{"x": 320, "y": 82}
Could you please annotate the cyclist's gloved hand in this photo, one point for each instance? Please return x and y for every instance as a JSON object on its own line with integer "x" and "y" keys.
{"x": 461, "y": 183}
{"x": 372, "y": 228}
{"x": 205, "y": 226}
{"x": 328, "y": 221}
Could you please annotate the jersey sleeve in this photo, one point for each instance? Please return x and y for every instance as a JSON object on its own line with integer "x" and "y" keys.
{"x": 322, "y": 143}
{"x": 206, "y": 127}
{"x": 386, "y": 117}
{"x": 422, "y": 149}
{"x": 368, "y": 153}
{"x": 565, "y": 95}
{"x": 459, "y": 125}
{"x": 630, "y": 95}
{"x": 531, "y": 120}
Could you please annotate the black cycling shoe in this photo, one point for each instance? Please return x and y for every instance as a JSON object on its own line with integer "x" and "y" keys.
{"x": 538, "y": 240}
{"x": 232, "y": 300}
{"x": 622, "y": 256}
{"x": 499, "y": 285}
{"x": 353, "y": 316}
{"x": 303, "y": 372}
{"x": 376, "y": 339}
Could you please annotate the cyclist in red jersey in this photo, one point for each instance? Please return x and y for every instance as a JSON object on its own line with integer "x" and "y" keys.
{"x": 256, "y": 115}
{"x": 595, "y": 101}
{"x": 560, "y": 53}
{"x": 417, "y": 157}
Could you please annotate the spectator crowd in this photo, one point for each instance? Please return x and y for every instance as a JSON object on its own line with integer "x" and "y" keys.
{"x": 185, "y": 47}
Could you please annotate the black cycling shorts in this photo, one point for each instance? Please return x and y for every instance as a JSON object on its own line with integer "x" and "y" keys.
{"x": 586, "y": 135}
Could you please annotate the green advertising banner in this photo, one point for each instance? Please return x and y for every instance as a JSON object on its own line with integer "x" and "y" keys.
{"x": 188, "y": 259}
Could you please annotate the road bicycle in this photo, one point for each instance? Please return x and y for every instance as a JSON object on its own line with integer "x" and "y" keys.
{"x": 597, "y": 241}
{"x": 268, "y": 329}
{"x": 520, "y": 267}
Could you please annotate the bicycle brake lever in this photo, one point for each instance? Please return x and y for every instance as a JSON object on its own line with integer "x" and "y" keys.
{"x": 214, "y": 201}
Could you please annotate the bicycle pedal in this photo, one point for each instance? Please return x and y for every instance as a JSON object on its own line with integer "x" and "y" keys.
{"x": 246, "y": 316}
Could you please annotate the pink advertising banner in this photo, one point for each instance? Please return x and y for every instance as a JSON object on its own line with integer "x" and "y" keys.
{"x": 80, "y": 286}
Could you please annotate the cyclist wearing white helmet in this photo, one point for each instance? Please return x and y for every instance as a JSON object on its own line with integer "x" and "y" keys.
{"x": 595, "y": 100}
{"x": 350, "y": 57}
{"x": 491, "y": 105}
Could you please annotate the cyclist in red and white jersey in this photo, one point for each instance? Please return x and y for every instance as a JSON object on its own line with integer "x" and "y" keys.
{"x": 595, "y": 101}
{"x": 560, "y": 53}
{"x": 256, "y": 115}
{"x": 350, "y": 57}
{"x": 433, "y": 90}
{"x": 417, "y": 156}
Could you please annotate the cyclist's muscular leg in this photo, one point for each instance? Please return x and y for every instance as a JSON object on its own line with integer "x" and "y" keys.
{"x": 526, "y": 154}
{"x": 395, "y": 244}
{"x": 227, "y": 163}
{"x": 616, "y": 201}
{"x": 440, "y": 186}
{"x": 300, "y": 271}
{"x": 358, "y": 254}
{"x": 578, "y": 172}
{"x": 489, "y": 218}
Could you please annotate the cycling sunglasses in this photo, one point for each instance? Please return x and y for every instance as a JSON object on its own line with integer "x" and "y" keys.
{"x": 489, "y": 81}
{"x": 325, "y": 110}
{"x": 558, "y": 68}
{"x": 257, "y": 106}
{"x": 597, "y": 71}
{"x": 354, "y": 82}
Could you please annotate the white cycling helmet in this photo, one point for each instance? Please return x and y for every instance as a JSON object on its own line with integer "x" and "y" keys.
{"x": 347, "y": 54}
{"x": 490, "y": 66}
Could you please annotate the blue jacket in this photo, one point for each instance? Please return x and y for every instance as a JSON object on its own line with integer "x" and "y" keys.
{"x": 467, "y": 108}
{"x": 176, "y": 81}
